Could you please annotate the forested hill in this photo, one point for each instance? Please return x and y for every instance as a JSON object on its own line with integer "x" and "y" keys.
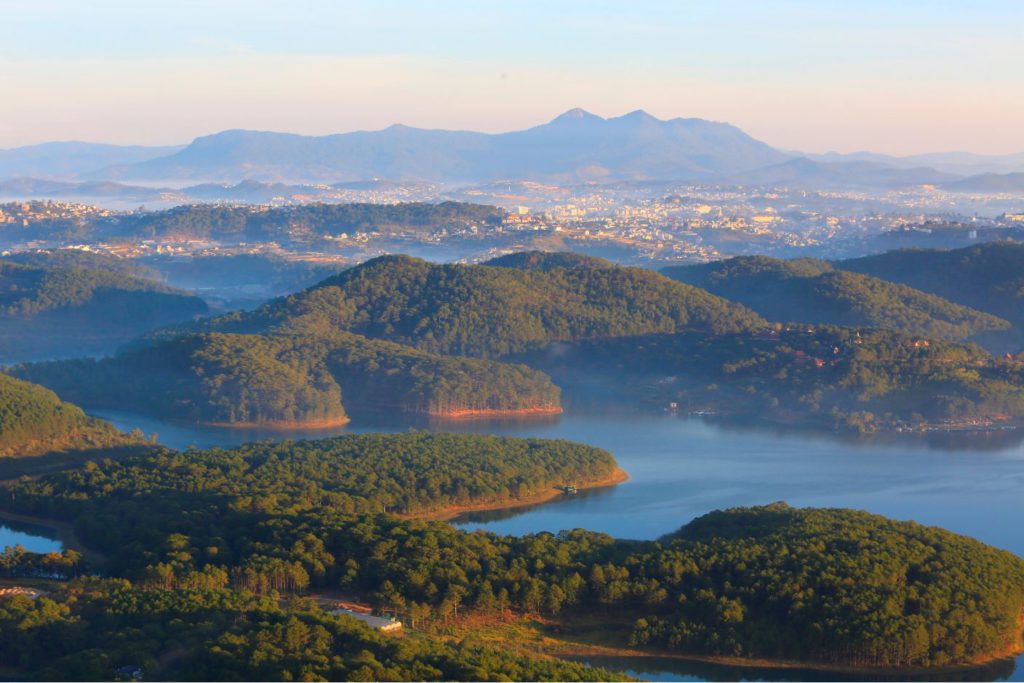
{"x": 34, "y": 421}
{"x": 812, "y": 291}
{"x": 826, "y": 586}
{"x": 47, "y": 311}
{"x": 547, "y": 260}
{"x": 293, "y": 380}
{"x": 988, "y": 277}
{"x": 281, "y": 224}
{"x": 833, "y": 586}
{"x": 404, "y": 474}
{"x": 832, "y": 377}
{"x": 77, "y": 258}
{"x": 491, "y": 311}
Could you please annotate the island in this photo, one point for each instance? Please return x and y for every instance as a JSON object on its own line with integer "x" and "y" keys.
{"x": 824, "y": 587}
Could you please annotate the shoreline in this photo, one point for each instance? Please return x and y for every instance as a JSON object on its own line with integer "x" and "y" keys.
{"x": 63, "y": 531}
{"x": 617, "y": 476}
{"x": 583, "y": 650}
{"x": 324, "y": 423}
{"x": 489, "y": 412}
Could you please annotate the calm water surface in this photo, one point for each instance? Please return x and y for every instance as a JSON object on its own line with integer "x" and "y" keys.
{"x": 681, "y": 468}
{"x": 32, "y": 538}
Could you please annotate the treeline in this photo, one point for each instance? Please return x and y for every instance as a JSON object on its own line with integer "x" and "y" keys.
{"x": 399, "y": 473}
{"x": 489, "y": 311}
{"x": 46, "y": 311}
{"x": 833, "y": 586}
{"x": 831, "y": 375}
{"x": 213, "y": 221}
{"x": 17, "y": 562}
{"x": 103, "y": 630}
{"x": 988, "y": 277}
{"x": 33, "y": 421}
{"x": 78, "y": 258}
{"x": 235, "y": 378}
{"x": 27, "y": 290}
{"x": 812, "y": 291}
{"x": 548, "y": 260}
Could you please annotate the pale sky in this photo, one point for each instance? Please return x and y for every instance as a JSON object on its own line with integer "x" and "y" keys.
{"x": 899, "y": 77}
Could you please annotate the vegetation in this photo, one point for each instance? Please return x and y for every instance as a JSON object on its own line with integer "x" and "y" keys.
{"x": 78, "y": 258}
{"x": 405, "y": 474}
{"x": 590, "y": 326}
{"x": 830, "y": 586}
{"x": 830, "y": 375}
{"x": 34, "y": 421}
{"x": 234, "y": 378}
{"x": 488, "y": 311}
{"x": 259, "y": 224}
{"x": 548, "y": 260}
{"x": 48, "y": 311}
{"x": 988, "y": 277}
{"x": 812, "y": 291}
{"x": 91, "y": 629}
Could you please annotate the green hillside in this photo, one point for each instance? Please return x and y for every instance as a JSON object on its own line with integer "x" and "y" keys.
{"x": 46, "y": 311}
{"x": 33, "y": 421}
{"x": 826, "y": 376}
{"x": 77, "y": 258}
{"x": 988, "y": 277}
{"x": 290, "y": 379}
{"x": 548, "y": 260}
{"x": 822, "y": 586}
{"x": 488, "y": 311}
{"x": 812, "y": 291}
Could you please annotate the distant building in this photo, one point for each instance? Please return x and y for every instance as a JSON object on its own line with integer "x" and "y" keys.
{"x": 11, "y": 591}
{"x": 380, "y": 623}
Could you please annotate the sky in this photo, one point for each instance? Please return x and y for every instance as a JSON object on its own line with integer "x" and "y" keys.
{"x": 810, "y": 75}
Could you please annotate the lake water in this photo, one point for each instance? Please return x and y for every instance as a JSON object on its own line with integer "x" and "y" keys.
{"x": 682, "y": 467}
{"x": 31, "y": 537}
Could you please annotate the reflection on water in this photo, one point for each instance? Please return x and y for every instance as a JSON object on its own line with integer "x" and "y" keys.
{"x": 668, "y": 669}
{"x": 33, "y": 538}
{"x": 681, "y": 468}
{"x": 584, "y": 497}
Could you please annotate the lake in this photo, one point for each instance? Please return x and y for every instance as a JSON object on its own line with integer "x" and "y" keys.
{"x": 33, "y": 538}
{"x": 683, "y": 467}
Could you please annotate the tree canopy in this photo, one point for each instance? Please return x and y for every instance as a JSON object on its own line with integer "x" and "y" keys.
{"x": 811, "y": 291}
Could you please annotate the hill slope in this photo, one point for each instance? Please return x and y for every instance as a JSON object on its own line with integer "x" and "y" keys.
{"x": 988, "y": 277}
{"x": 548, "y": 260}
{"x": 810, "y": 291}
{"x": 34, "y": 421}
{"x": 47, "y": 311}
{"x": 830, "y": 377}
{"x": 292, "y": 380}
{"x": 491, "y": 311}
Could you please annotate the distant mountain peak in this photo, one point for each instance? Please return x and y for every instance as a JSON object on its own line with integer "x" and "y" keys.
{"x": 638, "y": 115}
{"x": 576, "y": 114}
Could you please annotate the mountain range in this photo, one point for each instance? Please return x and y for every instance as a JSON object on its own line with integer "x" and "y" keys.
{"x": 576, "y": 146}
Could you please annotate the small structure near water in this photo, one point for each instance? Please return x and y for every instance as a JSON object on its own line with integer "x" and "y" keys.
{"x": 384, "y": 624}
{"x": 11, "y": 591}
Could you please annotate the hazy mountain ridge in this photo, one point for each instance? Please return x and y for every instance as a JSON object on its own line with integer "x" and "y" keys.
{"x": 72, "y": 159}
{"x": 576, "y": 146}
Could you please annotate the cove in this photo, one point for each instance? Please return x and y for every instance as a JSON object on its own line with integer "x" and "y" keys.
{"x": 681, "y": 468}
